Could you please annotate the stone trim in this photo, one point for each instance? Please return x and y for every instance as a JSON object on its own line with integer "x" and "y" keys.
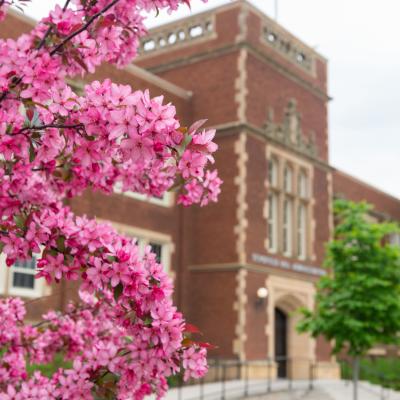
{"x": 289, "y": 132}
{"x": 274, "y": 36}
{"x": 289, "y": 294}
{"x": 232, "y": 267}
{"x": 22, "y": 17}
{"x": 239, "y": 306}
{"x": 227, "y": 49}
{"x": 178, "y": 35}
{"x": 241, "y": 86}
{"x": 259, "y": 133}
{"x": 297, "y": 164}
{"x": 242, "y": 25}
{"x": 160, "y": 82}
{"x": 241, "y": 209}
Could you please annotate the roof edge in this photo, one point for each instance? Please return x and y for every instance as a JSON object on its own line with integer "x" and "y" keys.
{"x": 366, "y": 184}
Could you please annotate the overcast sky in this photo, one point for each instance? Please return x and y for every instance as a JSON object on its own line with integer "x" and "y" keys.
{"x": 361, "y": 40}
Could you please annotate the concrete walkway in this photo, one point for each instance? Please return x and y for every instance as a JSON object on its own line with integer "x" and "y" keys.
{"x": 257, "y": 390}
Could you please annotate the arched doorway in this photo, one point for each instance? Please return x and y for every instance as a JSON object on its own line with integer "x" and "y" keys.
{"x": 281, "y": 342}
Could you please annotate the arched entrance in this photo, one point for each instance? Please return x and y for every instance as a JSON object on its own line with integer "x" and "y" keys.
{"x": 293, "y": 352}
{"x": 281, "y": 341}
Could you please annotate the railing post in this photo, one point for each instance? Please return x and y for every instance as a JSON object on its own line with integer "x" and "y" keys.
{"x": 246, "y": 379}
{"x": 311, "y": 372}
{"x": 180, "y": 389}
{"x": 289, "y": 371}
{"x": 269, "y": 375}
{"x": 202, "y": 388}
{"x": 223, "y": 381}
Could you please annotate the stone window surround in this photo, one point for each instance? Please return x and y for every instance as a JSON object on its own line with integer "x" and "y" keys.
{"x": 284, "y": 158}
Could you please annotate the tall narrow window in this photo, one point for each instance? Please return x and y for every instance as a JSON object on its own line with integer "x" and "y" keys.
{"x": 288, "y": 179}
{"x": 287, "y": 227}
{"x": 272, "y": 222}
{"x": 301, "y": 231}
{"x": 273, "y": 172}
{"x": 303, "y": 185}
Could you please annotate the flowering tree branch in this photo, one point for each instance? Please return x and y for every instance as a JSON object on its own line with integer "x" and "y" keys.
{"x": 55, "y": 144}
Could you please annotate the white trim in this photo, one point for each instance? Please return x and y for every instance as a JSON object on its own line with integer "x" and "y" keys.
{"x": 3, "y": 274}
{"x": 7, "y": 276}
{"x": 165, "y": 201}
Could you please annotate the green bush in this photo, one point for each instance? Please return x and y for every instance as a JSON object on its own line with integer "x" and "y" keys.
{"x": 379, "y": 371}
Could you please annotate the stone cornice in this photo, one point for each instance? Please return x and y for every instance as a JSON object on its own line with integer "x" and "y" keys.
{"x": 158, "y": 81}
{"x": 233, "y": 267}
{"x": 235, "y": 47}
{"x": 237, "y": 127}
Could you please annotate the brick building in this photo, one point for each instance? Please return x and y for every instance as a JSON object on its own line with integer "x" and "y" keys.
{"x": 265, "y": 92}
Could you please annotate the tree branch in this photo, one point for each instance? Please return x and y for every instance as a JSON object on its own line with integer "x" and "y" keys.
{"x": 46, "y": 35}
{"x": 84, "y": 27}
{"x": 41, "y": 127}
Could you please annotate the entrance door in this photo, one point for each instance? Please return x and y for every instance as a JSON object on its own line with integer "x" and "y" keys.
{"x": 281, "y": 342}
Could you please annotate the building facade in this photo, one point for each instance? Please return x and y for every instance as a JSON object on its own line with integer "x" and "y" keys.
{"x": 265, "y": 92}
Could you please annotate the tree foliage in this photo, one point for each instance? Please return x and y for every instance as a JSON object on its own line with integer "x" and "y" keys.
{"x": 358, "y": 302}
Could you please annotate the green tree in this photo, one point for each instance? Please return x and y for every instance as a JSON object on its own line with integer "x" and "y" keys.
{"x": 358, "y": 302}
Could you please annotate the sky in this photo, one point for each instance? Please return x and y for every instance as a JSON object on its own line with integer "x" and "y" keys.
{"x": 360, "y": 38}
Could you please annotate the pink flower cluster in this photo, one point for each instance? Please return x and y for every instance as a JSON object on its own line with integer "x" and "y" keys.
{"x": 95, "y": 352}
{"x": 126, "y": 336}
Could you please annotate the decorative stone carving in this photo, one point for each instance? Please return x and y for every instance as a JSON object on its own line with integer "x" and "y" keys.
{"x": 182, "y": 32}
{"x": 291, "y": 49}
{"x": 289, "y": 132}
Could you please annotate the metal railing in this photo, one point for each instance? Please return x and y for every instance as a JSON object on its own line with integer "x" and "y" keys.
{"x": 234, "y": 379}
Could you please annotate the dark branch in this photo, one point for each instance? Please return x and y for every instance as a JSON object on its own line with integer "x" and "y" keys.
{"x": 41, "y": 127}
{"x": 84, "y": 27}
{"x": 48, "y": 32}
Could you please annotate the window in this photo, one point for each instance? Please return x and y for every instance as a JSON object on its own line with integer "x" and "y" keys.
{"x": 273, "y": 172}
{"x": 19, "y": 279}
{"x": 287, "y": 227}
{"x": 301, "y": 231}
{"x": 288, "y": 205}
{"x": 272, "y": 222}
{"x": 303, "y": 185}
{"x": 160, "y": 249}
{"x": 288, "y": 179}
{"x": 157, "y": 249}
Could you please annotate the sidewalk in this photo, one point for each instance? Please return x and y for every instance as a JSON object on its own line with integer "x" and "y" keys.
{"x": 258, "y": 390}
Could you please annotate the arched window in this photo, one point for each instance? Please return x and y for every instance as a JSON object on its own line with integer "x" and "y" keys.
{"x": 287, "y": 227}
{"x": 272, "y": 222}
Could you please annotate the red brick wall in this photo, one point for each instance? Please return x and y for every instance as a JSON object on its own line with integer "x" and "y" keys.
{"x": 268, "y": 88}
{"x": 353, "y": 189}
{"x": 212, "y": 298}
{"x": 256, "y": 345}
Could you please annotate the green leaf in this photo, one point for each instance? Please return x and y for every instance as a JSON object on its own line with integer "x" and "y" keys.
{"x": 118, "y": 291}
{"x": 32, "y": 153}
